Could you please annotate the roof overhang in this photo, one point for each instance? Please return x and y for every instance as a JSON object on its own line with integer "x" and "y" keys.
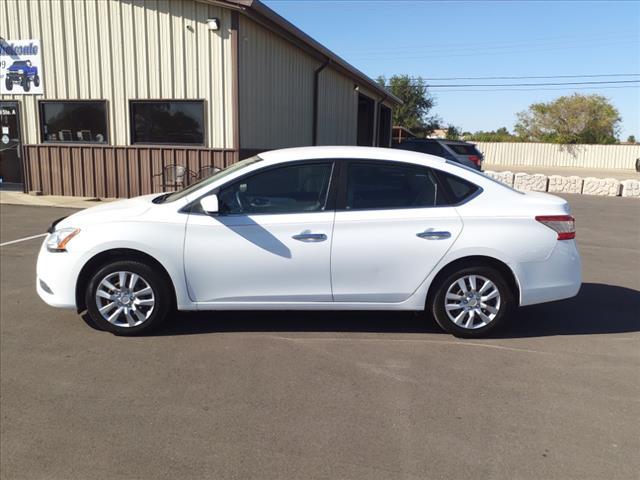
{"x": 259, "y": 12}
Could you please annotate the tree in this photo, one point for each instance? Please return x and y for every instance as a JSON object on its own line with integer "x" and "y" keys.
{"x": 631, "y": 139}
{"x": 569, "y": 120}
{"x": 414, "y": 112}
{"x": 453, "y": 133}
{"x": 499, "y": 135}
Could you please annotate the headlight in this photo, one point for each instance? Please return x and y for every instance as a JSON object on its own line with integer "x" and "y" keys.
{"x": 57, "y": 241}
{"x": 20, "y": 72}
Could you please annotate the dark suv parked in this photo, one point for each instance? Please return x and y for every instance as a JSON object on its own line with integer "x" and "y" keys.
{"x": 462, "y": 152}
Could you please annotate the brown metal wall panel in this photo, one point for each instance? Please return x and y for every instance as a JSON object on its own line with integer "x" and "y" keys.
{"x": 122, "y": 169}
{"x": 52, "y": 180}
{"x": 98, "y": 171}
{"x": 111, "y": 172}
{"x": 88, "y": 172}
{"x": 77, "y": 172}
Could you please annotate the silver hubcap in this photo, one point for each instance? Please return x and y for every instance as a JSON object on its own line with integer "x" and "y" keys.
{"x": 125, "y": 299}
{"x": 472, "y": 301}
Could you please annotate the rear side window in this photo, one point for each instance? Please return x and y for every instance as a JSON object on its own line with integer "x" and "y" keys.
{"x": 462, "y": 149}
{"x": 458, "y": 190}
{"x": 379, "y": 186}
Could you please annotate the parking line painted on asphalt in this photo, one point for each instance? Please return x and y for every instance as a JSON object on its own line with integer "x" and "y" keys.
{"x": 23, "y": 239}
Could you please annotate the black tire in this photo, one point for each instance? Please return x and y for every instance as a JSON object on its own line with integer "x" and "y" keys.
{"x": 161, "y": 294}
{"x": 505, "y": 305}
{"x": 26, "y": 85}
{"x": 8, "y": 83}
{"x": 36, "y": 81}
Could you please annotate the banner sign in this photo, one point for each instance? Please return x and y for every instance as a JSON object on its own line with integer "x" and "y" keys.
{"x": 20, "y": 67}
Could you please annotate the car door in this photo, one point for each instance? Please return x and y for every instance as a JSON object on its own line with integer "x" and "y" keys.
{"x": 392, "y": 227}
{"x": 269, "y": 243}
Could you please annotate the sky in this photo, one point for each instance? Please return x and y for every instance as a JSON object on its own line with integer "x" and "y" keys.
{"x": 444, "y": 39}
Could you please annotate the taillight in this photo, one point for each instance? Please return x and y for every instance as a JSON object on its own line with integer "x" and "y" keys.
{"x": 564, "y": 225}
{"x": 475, "y": 159}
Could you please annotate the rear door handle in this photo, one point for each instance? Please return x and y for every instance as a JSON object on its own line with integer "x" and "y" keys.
{"x": 431, "y": 235}
{"x": 307, "y": 236}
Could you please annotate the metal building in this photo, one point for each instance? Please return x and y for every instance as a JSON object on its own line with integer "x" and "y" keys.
{"x": 99, "y": 96}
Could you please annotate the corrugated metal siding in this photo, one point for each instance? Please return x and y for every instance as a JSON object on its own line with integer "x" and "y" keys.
{"x": 121, "y": 50}
{"x": 337, "y": 109}
{"x": 276, "y": 90}
{"x": 552, "y": 155}
{"x": 88, "y": 171}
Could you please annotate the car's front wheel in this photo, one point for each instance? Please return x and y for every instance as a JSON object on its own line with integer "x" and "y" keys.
{"x": 128, "y": 298}
{"x": 8, "y": 83}
{"x": 26, "y": 85}
{"x": 472, "y": 301}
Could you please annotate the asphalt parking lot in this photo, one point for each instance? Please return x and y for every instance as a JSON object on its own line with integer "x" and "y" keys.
{"x": 304, "y": 395}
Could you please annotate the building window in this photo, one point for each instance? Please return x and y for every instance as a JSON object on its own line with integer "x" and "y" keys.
{"x": 74, "y": 121}
{"x": 172, "y": 122}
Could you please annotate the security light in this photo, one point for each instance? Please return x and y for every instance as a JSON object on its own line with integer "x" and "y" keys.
{"x": 213, "y": 23}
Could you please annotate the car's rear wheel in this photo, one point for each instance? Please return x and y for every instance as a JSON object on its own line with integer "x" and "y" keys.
{"x": 128, "y": 298}
{"x": 36, "y": 81}
{"x": 472, "y": 301}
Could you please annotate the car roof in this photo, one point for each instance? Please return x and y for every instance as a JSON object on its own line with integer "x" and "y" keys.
{"x": 350, "y": 152}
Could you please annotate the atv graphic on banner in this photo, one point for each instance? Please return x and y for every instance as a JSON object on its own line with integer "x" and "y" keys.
{"x": 20, "y": 67}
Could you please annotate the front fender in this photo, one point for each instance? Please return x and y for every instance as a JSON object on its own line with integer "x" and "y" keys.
{"x": 164, "y": 242}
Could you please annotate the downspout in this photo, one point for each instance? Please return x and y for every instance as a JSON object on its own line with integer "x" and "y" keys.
{"x": 316, "y": 83}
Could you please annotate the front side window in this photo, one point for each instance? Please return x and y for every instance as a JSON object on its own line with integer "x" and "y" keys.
{"x": 74, "y": 121}
{"x": 169, "y": 122}
{"x": 384, "y": 186}
{"x": 293, "y": 189}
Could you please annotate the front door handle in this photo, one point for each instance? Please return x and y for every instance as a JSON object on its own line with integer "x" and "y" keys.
{"x": 307, "y": 236}
{"x": 432, "y": 235}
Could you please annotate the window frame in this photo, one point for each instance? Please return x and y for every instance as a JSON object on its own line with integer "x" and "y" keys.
{"x": 341, "y": 200}
{"x": 202, "y": 101}
{"x": 43, "y": 140}
{"x": 194, "y": 207}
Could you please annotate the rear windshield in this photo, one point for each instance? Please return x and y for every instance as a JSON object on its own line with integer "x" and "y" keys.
{"x": 462, "y": 149}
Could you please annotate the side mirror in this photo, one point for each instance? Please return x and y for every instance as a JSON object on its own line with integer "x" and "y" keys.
{"x": 210, "y": 204}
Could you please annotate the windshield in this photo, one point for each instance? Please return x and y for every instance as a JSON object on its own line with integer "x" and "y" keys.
{"x": 209, "y": 180}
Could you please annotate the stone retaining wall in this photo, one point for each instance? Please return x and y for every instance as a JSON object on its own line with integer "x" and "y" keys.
{"x": 538, "y": 182}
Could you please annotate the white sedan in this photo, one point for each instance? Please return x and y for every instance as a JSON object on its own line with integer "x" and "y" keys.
{"x": 317, "y": 228}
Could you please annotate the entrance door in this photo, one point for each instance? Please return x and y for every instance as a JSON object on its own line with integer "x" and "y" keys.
{"x": 10, "y": 144}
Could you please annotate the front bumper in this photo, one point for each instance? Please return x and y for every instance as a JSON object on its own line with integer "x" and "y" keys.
{"x": 556, "y": 278}
{"x": 56, "y": 276}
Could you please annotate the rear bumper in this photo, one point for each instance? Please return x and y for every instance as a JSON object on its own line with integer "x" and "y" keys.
{"x": 556, "y": 278}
